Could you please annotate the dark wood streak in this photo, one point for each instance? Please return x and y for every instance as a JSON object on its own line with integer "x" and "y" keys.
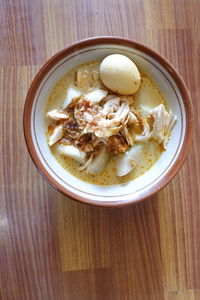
{"x": 54, "y": 248}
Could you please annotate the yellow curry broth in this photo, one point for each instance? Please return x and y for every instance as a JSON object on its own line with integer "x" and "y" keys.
{"x": 148, "y": 95}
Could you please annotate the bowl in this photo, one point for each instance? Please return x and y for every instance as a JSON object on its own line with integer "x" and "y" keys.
{"x": 168, "y": 81}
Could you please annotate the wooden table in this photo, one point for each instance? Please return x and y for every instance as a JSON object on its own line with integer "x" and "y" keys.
{"x": 54, "y": 248}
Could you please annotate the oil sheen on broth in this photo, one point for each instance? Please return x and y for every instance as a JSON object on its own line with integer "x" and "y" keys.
{"x": 148, "y": 94}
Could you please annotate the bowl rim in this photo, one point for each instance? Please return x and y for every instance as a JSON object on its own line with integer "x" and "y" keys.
{"x": 114, "y": 41}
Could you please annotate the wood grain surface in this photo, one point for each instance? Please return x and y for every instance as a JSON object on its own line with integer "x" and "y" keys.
{"x": 52, "y": 247}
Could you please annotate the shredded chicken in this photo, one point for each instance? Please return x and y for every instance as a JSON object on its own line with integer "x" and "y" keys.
{"x": 98, "y": 123}
{"x": 144, "y": 137}
{"x": 132, "y": 118}
{"x": 168, "y": 128}
{"x": 129, "y": 137}
{"x": 108, "y": 127}
{"x": 162, "y": 125}
{"x": 159, "y": 115}
{"x": 111, "y": 106}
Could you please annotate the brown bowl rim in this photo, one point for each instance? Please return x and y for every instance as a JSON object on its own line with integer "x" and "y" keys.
{"x": 115, "y": 41}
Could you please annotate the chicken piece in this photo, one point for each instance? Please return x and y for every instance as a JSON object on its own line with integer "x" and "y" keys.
{"x": 72, "y": 152}
{"x": 56, "y": 135}
{"x": 96, "y": 96}
{"x": 103, "y": 127}
{"x": 111, "y": 106}
{"x": 57, "y": 115}
{"x": 163, "y": 124}
{"x": 99, "y": 162}
{"x": 129, "y": 137}
{"x": 159, "y": 115}
{"x": 72, "y": 94}
{"x": 144, "y": 137}
{"x": 129, "y": 160}
{"x": 134, "y": 122}
{"x": 132, "y": 118}
{"x": 109, "y": 127}
{"x": 116, "y": 144}
{"x": 169, "y": 127}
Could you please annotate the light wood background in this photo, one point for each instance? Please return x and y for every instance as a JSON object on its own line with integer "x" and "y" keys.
{"x": 54, "y": 248}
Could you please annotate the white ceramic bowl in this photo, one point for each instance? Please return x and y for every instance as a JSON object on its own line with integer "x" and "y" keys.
{"x": 168, "y": 81}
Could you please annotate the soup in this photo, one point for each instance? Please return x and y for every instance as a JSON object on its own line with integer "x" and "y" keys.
{"x": 101, "y": 136}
